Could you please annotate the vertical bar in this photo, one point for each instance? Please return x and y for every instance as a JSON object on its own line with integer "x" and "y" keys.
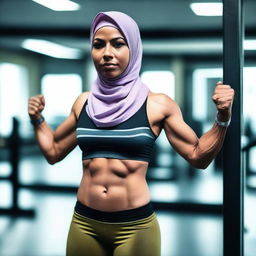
{"x": 14, "y": 159}
{"x": 232, "y": 157}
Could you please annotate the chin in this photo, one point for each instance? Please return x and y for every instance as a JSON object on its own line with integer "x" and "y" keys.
{"x": 110, "y": 75}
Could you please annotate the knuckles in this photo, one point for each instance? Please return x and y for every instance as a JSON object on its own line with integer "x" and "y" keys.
{"x": 223, "y": 97}
{"x": 35, "y": 105}
{"x": 224, "y": 92}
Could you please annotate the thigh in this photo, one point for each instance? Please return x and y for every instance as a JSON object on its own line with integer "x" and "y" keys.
{"x": 82, "y": 241}
{"x": 145, "y": 241}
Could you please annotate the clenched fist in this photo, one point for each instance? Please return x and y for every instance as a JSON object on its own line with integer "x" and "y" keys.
{"x": 36, "y": 105}
{"x": 223, "y": 97}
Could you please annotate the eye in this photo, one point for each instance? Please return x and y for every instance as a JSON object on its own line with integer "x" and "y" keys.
{"x": 119, "y": 44}
{"x": 98, "y": 45}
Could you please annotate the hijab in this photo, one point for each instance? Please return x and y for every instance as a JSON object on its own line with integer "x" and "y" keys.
{"x": 113, "y": 101}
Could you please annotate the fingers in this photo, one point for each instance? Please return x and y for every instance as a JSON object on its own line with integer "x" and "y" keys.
{"x": 223, "y": 97}
{"x": 36, "y": 105}
{"x": 222, "y": 90}
{"x": 41, "y": 97}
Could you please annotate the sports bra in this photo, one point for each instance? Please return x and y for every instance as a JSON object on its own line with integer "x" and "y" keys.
{"x": 132, "y": 139}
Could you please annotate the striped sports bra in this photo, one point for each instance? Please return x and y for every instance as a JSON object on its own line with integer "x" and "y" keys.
{"x": 132, "y": 140}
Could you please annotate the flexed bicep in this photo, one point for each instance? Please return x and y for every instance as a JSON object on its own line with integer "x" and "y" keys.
{"x": 56, "y": 144}
{"x": 180, "y": 135}
{"x": 199, "y": 152}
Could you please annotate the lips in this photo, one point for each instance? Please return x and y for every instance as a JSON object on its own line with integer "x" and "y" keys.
{"x": 109, "y": 65}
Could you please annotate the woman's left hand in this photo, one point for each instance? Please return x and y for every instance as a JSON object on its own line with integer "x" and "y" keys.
{"x": 223, "y": 97}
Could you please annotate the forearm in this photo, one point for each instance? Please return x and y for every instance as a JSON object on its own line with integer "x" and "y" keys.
{"x": 55, "y": 145}
{"x": 46, "y": 141}
{"x": 208, "y": 146}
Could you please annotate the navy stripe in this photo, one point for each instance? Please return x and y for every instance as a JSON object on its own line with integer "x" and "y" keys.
{"x": 133, "y": 139}
{"x": 124, "y": 133}
{"x": 119, "y": 130}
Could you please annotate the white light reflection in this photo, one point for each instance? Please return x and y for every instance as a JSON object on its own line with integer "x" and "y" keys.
{"x": 51, "y": 49}
{"x": 159, "y": 82}
{"x": 207, "y": 9}
{"x": 59, "y": 5}
{"x": 164, "y": 191}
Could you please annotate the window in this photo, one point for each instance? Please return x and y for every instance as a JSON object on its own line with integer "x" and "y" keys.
{"x": 13, "y": 98}
{"x": 160, "y": 82}
{"x": 249, "y": 96}
{"x": 201, "y": 93}
{"x": 60, "y": 92}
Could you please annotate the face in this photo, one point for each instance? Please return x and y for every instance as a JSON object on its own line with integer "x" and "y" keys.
{"x": 110, "y": 52}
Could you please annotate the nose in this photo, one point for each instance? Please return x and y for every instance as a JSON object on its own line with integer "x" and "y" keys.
{"x": 108, "y": 54}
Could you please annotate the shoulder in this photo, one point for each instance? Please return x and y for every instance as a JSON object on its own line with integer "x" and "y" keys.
{"x": 79, "y": 103}
{"x": 163, "y": 104}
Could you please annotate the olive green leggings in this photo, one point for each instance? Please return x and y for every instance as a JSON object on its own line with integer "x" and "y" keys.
{"x": 89, "y": 237}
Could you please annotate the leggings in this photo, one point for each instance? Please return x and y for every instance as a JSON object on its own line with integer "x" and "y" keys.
{"x": 93, "y": 237}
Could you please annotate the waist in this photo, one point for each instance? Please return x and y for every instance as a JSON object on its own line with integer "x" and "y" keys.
{"x": 115, "y": 216}
{"x": 113, "y": 184}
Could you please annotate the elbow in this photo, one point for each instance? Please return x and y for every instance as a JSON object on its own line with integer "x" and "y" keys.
{"x": 201, "y": 166}
{"x": 198, "y": 163}
{"x": 51, "y": 160}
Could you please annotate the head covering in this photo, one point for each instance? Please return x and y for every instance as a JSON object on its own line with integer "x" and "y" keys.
{"x": 112, "y": 101}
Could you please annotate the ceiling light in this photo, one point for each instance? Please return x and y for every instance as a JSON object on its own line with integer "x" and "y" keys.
{"x": 249, "y": 44}
{"x": 59, "y": 5}
{"x": 207, "y": 9}
{"x": 51, "y": 49}
{"x": 182, "y": 46}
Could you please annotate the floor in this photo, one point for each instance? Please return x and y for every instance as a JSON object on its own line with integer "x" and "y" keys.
{"x": 182, "y": 233}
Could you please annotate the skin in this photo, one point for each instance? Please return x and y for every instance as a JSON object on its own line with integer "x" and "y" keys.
{"x": 114, "y": 184}
{"x": 110, "y": 52}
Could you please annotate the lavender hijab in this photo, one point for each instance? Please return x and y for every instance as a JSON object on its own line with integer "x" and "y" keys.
{"x": 113, "y": 101}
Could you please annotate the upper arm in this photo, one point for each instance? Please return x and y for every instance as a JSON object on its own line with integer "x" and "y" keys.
{"x": 179, "y": 134}
{"x": 199, "y": 152}
{"x": 65, "y": 134}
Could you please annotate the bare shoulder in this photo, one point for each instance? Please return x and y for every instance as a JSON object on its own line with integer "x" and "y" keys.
{"x": 162, "y": 104}
{"x": 79, "y": 103}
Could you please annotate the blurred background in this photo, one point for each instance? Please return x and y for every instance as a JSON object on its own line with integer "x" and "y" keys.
{"x": 45, "y": 49}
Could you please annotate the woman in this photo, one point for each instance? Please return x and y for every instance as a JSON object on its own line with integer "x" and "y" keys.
{"x": 115, "y": 125}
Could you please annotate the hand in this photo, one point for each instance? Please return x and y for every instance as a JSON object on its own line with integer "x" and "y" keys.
{"x": 223, "y": 97}
{"x": 36, "y": 105}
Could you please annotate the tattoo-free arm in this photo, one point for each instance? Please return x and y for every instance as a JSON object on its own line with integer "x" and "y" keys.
{"x": 199, "y": 152}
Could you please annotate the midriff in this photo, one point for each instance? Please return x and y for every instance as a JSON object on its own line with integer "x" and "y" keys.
{"x": 113, "y": 184}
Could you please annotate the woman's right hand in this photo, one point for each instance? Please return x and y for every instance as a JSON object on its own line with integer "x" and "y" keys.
{"x": 36, "y": 105}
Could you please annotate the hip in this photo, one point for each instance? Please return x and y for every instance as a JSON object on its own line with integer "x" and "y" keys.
{"x": 131, "y": 232}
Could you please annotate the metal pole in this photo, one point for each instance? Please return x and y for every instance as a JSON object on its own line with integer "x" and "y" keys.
{"x": 233, "y": 181}
{"x": 14, "y": 159}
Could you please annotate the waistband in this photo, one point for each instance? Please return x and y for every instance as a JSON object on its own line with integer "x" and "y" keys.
{"x": 116, "y": 216}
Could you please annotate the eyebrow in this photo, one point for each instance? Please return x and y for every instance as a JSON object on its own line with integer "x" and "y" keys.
{"x": 113, "y": 39}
